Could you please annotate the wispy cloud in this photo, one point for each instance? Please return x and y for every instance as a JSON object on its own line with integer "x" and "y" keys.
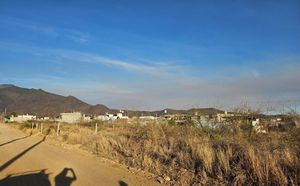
{"x": 35, "y": 27}
{"x": 77, "y": 36}
{"x": 48, "y": 30}
{"x": 159, "y": 85}
{"x": 163, "y": 70}
{"x": 155, "y": 68}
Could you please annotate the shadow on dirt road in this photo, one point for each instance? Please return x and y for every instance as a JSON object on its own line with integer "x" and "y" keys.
{"x": 14, "y": 140}
{"x": 38, "y": 178}
{"x": 9, "y": 162}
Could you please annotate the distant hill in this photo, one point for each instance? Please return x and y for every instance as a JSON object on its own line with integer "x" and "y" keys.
{"x": 42, "y": 103}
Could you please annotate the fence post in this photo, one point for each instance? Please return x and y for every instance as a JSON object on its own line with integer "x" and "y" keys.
{"x": 58, "y": 130}
{"x": 96, "y": 128}
{"x": 41, "y": 128}
{"x": 32, "y": 125}
{"x": 36, "y": 126}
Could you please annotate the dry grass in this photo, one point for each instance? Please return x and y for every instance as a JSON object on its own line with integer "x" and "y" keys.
{"x": 191, "y": 156}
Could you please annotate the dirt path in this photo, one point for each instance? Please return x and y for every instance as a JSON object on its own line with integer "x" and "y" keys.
{"x": 28, "y": 160}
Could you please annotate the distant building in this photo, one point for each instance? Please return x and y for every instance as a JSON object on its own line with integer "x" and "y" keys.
{"x": 86, "y": 118}
{"x": 221, "y": 117}
{"x": 22, "y": 118}
{"x": 44, "y": 119}
{"x": 102, "y": 118}
{"x": 111, "y": 117}
{"x": 73, "y": 117}
{"x": 119, "y": 115}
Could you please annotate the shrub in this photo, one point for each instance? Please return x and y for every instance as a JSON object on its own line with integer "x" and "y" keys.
{"x": 193, "y": 156}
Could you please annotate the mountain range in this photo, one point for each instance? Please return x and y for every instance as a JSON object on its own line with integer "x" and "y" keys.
{"x": 41, "y": 103}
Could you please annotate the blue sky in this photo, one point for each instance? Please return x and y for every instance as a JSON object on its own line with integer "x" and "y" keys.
{"x": 155, "y": 54}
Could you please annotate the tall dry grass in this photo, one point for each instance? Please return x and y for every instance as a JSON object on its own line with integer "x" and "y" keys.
{"x": 193, "y": 156}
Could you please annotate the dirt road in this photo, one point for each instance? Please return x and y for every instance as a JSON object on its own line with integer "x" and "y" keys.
{"x": 30, "y": 160}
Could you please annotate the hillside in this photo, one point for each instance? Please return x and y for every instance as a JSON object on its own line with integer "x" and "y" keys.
{"x": 41, "y": 103}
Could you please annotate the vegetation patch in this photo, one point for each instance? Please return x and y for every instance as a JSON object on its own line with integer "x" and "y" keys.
{"x": 188, "y": 155}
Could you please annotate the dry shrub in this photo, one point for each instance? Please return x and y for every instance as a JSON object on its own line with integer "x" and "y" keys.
{"x": 191, "y": 156}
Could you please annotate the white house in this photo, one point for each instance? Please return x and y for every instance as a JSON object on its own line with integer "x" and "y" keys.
{"x": 86, "y": 118}
{"x": 44, "y": 118}
{"x": 22, "y": 118}
{"x": 73, "y": 117}
{"x": 119, "y": 116}
{"x": 102, "y": 117}
{"x": 111, "y": 117}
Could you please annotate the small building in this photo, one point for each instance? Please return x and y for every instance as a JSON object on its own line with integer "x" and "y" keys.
{"x": 22, "y": 118}
{"x": 110, "y": 117}
{"x": 73, "y": 117}
{"x": 119, "y": 115}
{"x": 46, "y": 118}
{"x": 86, "y": 118}
{"x": 102, "y": 118}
